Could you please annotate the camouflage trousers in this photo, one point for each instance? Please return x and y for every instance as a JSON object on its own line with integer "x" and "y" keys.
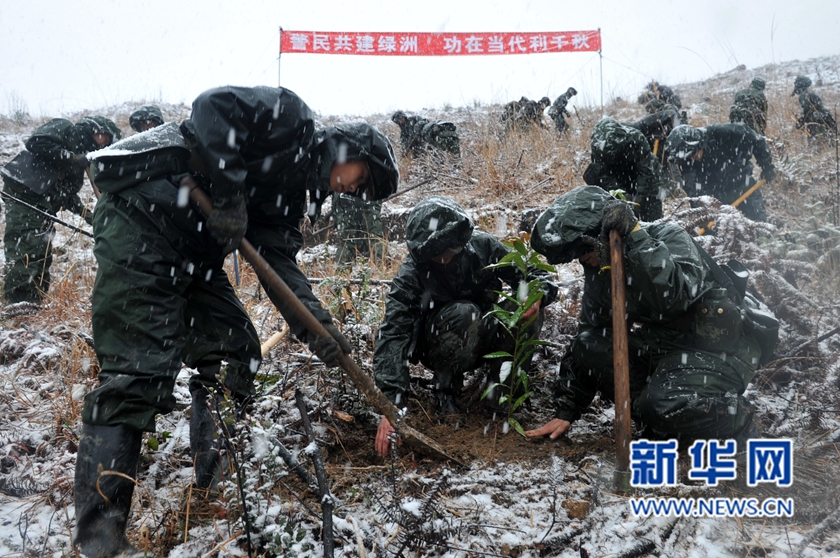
{"x": 27, "y": 245}
{"x": 154, "y": 307}
{"x": 677, "y": 389}
{"x": 456, "y": 337}
{"x": 359, "y": 229}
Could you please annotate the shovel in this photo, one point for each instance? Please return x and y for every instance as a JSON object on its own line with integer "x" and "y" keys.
{"x": 702, "y": 230}
{"x": 292, "y": 306}
{"x": 621, "y": 367}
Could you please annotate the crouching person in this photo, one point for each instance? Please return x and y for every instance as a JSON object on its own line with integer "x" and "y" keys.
{"x": 691, "y": 358}
{"x": 436, "y": 311}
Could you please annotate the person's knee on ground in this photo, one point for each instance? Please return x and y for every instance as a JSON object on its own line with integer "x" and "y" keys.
{"x": 695, "y": 395}
{"x": 451, "y": 345}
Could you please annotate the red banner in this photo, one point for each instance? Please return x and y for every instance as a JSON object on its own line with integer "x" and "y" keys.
{"x": 438, "y": 44}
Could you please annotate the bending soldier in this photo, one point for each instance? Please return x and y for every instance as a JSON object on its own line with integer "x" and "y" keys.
{"x": 48, "y": 176}
{"x": 816, "y": 119}
{"x": 418, "y": 133}
{"x": 558, "y": 109}
{"x": 690, "y": 356}
{"x": 716, "y": 161}
{"x": 161, "y": 297}
{"x": 663, "y": 93}
{"x": 622, "y": 160}
{"x": 531, "y": 113}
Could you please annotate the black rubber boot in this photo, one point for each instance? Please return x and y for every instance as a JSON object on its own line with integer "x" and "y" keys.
{"x": 100, "y": 522}
{"x": 203, "y": 443}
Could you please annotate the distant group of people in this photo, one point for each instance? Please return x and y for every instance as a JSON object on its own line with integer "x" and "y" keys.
{"x": 161, "y": 299}
{"x": 523, "y": 114}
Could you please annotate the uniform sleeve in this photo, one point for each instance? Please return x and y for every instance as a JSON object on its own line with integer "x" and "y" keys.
{"x": 650, "y": 182}
{"x": 390, "y": 357}
{"x": 665, "y": 274}
{"x": 51, "y": 143}
{"x": 762, "y": 152}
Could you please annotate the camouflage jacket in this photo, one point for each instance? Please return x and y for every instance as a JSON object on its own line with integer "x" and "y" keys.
{"x": 558, "y": 107}
{"x": 421, "y": 285}
{"x": 814, "y": 111}
{"x": 667, "y": 270}
{"x": 54, "y": 145}
{"x": 411, "y": 132}
{"x": 750, "y": 107}
{"x": 622, "y": 159}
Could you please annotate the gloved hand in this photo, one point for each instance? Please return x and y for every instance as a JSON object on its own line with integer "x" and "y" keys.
{"x": 80, "y": 161}
{"x": 618, "y": 215}
{"x": 769, "y": 174}
{"x": 228, "y": 222}
{"x": 328, "y": 348}
{"x": 88, "y": 217}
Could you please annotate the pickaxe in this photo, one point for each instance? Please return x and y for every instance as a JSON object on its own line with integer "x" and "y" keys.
{"x": 702, "y": 230}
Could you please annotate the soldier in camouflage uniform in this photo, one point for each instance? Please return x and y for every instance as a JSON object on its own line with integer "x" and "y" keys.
{"x": 558, "y": 109}
{"x": 418, "y": 133}
{"x": 661, "y": 93}
{"x": 358, "y": 218}
{"x": 750, "y": 106}
{"x": 511, "y": 110}
{"x": 49, "y": 176}
{"x": 145, "y": 118}
{"x": 531, "y": 114}
{"x": 161, "y": 296}
{"x": 816, "y": 119}
{"x": 622, "y": 160}
{"x": 716, "y": 161}
{"x": 690, "y": 358}
{"x": 435, "y": 312}
{"x": 656, "y": 127}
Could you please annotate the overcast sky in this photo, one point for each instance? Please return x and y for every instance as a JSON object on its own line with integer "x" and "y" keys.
{"x": 61, "y": 56}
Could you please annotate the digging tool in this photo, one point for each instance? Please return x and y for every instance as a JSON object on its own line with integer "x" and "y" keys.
{"x": 45, "y": 214}
{"x": 749, "y": 192}
{"x": 292, "y": 306}
{"x": 621, "y": 367}
{"x": 702, "y": 230}
{"x": 655, "y": 146}
{"x": 273, "y": 340}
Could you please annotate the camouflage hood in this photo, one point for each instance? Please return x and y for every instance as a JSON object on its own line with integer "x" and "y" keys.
{"x": 146, "y": 113}
{"x": 684, "y": 141}
{"x": 559, "y": 233}
{"x": 611, "y": 141}
{"x": 435, "y": 224}
{"x": 96, "y": 124}
{"x": 352, "y": 142}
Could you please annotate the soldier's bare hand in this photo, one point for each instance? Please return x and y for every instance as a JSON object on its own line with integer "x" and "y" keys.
{"x": 383, "y": 437}
{"x": 553, "y": 429}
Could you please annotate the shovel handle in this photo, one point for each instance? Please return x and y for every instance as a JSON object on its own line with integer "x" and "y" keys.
{"x": 621, "y": 361}
{"x": 292, "y": 306}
